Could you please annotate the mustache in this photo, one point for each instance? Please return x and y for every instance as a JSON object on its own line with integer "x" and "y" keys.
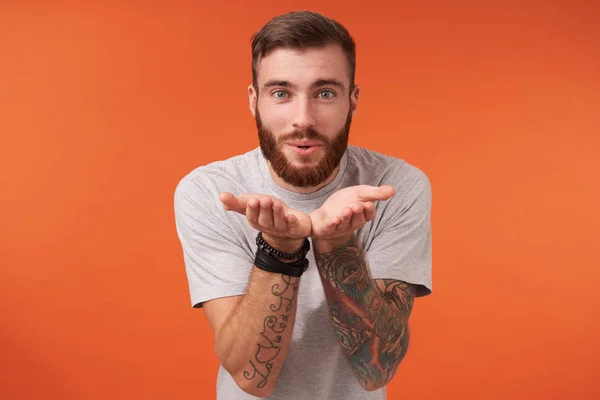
{"x": 309, "y": 134}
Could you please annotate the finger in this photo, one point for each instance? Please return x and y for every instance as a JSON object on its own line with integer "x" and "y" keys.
{"x": 252, "y": 212}
{"x": 357, "y": 208}
{"x": 330, "y": 225}
{"x": 358, "y": 221}
{"x": 372, "y": 193}
{"x": 279, "y": 221}
{"x": 346, "y": 218}
{"x": 369, "y": 211}
{"x": 348, "y": 215}
{"x": 265, "y": 217}
{"x": 293, "y": 224}
{"x": 229, "y": 201}
{"x": 292, "y": 220}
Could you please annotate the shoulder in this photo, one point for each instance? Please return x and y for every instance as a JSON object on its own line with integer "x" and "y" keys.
{"x": 377, "y": 168}
{"x": 229, "y": 175}
{"x": 412, "y": 199}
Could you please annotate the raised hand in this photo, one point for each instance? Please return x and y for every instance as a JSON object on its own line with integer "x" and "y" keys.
{"x": 282, "y": 226}
{"x": 346, "y": 211}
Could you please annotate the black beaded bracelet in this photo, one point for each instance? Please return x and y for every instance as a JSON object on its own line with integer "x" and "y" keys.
{"x": 260, "y": 242}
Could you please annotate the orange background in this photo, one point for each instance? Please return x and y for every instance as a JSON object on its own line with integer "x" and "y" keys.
{"x": 105, "y": 106}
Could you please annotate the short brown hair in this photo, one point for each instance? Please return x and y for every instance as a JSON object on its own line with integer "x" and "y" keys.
{"x": 301, "y": 30}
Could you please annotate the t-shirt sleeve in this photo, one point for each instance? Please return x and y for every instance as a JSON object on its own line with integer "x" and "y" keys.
{"x": 401, "y": 246}
{"x": 216, "y": 263}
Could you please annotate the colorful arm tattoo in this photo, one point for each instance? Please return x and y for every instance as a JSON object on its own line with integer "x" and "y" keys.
{"x": 370, "y": 317}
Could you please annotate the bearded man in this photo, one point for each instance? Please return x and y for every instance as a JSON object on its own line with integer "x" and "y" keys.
{"x": 306, "y": 253}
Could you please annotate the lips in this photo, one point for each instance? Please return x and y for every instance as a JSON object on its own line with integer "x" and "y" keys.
{"x": 305, "y": 148}
{"x": 305, "y": 143}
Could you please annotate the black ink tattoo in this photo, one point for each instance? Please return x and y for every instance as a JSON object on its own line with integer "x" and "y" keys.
{"x": 344, "y": 269}
{"x": 273, "y": 330}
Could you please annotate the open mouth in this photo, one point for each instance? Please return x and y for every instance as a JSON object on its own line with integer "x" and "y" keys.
{"x": 304, "y": 150}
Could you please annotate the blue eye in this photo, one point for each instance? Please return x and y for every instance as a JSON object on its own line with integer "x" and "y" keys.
{"x": 279, "y": 94}
{"x": 330, "y": 94}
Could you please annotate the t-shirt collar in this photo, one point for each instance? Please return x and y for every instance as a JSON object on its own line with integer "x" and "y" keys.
{"x": 289, "y": 195}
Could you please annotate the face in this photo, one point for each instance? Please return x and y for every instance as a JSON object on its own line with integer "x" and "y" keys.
{"x": 303, "y": 111}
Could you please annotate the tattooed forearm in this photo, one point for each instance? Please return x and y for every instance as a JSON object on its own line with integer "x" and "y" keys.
{"x": 344, "y": 269}
{"x": 370, "y": 318}
{"x": 273, "y": 329}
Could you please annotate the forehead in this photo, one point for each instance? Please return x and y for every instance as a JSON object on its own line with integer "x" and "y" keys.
{"x": 302, "y": 67}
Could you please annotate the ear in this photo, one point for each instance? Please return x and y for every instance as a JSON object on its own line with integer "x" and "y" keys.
{"x": 354, "y": 99}
{"x": 252, "y": 99}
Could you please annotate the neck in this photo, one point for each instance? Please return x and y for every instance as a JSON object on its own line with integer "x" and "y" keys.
{"x": 301, "y": 190}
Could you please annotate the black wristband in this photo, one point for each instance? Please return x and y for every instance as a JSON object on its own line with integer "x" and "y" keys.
{"x": 260, "y": 242}
{"x": 267, "y": 262}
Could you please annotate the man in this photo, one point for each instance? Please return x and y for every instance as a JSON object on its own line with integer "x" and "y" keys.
{"x": 306, "y": 253}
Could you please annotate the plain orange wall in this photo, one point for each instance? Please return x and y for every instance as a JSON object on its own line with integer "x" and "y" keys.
{"x": 105, "y": 106}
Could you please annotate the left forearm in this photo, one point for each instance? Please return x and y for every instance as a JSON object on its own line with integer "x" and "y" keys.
{"x": 371, "y": 328}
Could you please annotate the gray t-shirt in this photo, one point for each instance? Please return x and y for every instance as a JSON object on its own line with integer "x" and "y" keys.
{"x": 219, "y": 247}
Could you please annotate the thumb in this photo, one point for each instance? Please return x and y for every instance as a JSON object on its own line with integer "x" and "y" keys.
{"x": 373, "y": 193}
{"x": 232, "y": 203}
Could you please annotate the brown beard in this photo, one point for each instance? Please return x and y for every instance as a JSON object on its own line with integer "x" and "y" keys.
{"x": 305, "y": 176}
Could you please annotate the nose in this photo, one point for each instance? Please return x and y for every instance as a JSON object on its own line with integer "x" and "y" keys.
{"x": 303, "y": 118}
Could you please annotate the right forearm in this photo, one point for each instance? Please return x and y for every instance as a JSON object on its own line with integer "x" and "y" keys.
{"x": 254, "y": 340}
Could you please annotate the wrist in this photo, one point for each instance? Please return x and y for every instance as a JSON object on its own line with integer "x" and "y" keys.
{"x": 279, "y": 255}
{"x": 326, "y": 245}
{"x": 285, "y": 245}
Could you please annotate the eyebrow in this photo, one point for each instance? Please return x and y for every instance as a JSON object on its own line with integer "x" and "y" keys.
{"x": 315, "y": 84}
